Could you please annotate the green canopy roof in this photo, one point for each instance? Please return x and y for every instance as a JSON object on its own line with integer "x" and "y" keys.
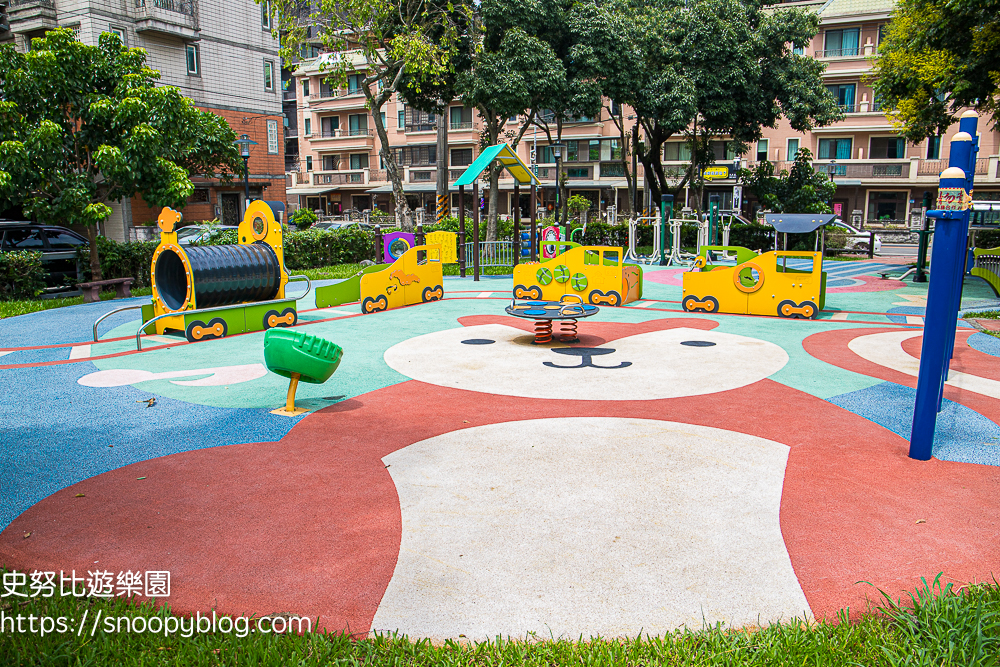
{"x": 506, "y": 157}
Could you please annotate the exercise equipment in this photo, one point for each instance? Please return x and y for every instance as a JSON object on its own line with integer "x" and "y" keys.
{"x": 208, "y": 292}
{"x": 632, "y": 255}
{"x": 299, "y": 356}
{"x": 757, "y": 285}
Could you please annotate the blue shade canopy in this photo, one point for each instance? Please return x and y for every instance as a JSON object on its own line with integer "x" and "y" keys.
{"x": 798, "y": 223}
{"x": 508, "y": 158}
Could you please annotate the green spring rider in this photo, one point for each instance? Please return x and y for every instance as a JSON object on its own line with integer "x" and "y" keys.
{"x": 299, "y": 356}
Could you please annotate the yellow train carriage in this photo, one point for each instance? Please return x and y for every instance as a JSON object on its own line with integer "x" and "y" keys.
{"x": 596, "y": 274}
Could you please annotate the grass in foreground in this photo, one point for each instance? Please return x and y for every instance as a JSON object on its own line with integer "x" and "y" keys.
{"x": 25, "y": 306}
{"x": 939, "y": 627}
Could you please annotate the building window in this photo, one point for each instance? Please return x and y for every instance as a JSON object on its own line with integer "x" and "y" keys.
{"x": 419, "y": 121}
{"x": 762, "y": 150}
{"x": 325, "y": 89}
{"x": 842, "y": 42}
{"x": 355, "y": 83}
{"x": 265, "y": 14}
{"x": 844, "y": 94}
{"x": 417, "y": 156}
{"x": 331, "y": 162}
{"x": 798, "y": 49}
{"x": 272, "y": 137}
{"x": 572, "y": 151}
{"x": 330, "y": 125}
{"x": 269, "y": 75}
{"x": 382, "y": 116}
{"x": 309, "y": 163}
{"x": 357, "y": 123}
{"x": 305, "y": 87}
{"x": 193, "y": 60}
{"x": 359, "y": 161}
{"x": 461, "y": 157}
{"x": 578, "y": 172}
{"x": 121, "y": 34}
{"x": 307, "y": 126}
{"x": 461, "y": 118}
{"x": 723, "y": 150}
{"x": 793, "y": 148}
{"x": 401, "y": 119}
{"x": 882, "y": 148}
{"x": 887, "y": 205}
{"x": 676, "y": 151}
{"x": 835, "y": 149}
{"x": 934, "y": 148}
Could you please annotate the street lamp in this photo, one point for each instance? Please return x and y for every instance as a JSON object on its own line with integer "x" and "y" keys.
{"x": 245, "y": 142}
{"x": 557, "y": 151}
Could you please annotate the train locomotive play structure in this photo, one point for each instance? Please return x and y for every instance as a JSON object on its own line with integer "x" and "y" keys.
{"x": 757, "y": 285}
{"x": 416, "y": 277}
{"x": 596, "y": 274}
{"x": 208, "y": 292}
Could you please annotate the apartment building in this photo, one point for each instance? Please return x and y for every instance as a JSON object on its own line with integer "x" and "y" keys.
{"x": 220, "y": 53}
{"x": 879, "y": 176}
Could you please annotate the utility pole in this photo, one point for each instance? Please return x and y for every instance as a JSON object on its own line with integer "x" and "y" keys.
{"x": 442, "y": 164}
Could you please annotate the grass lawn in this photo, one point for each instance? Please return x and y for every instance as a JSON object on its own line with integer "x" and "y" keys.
{"x": 24, "y": 306}
{"x": 940, "y": 627}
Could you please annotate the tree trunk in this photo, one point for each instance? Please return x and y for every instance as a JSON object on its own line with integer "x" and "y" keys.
{"x": 95, "y": 259}
{"x": 491, "y": 224}
{"x": 403, "y": 219}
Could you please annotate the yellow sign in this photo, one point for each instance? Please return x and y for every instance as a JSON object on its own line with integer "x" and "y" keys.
{"x": 953, "y": 199}
{"x": 449, "y": 245}
{"x": 716, "y": 172}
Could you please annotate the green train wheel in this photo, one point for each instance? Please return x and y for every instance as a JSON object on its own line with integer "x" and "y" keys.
{"x": 561, "y": 273}
{"x": 578, "y": 282}
{"x": 544, "y": 276}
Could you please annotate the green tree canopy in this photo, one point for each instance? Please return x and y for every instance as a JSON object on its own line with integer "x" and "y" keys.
{"x": 936, "y": 59}
{"x": 800, "y": 190}
{"x": 81, "y": 126}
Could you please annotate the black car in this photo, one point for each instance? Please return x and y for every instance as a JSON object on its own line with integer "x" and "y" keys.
{"x": 58, "y": 246}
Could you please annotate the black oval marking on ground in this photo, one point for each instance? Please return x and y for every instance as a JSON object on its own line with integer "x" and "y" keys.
{"x": 478, "y": 341}
{"x": 697, "y": 343}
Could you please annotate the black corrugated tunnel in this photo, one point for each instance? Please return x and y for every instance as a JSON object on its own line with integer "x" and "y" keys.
{"x": 222, "y": 275}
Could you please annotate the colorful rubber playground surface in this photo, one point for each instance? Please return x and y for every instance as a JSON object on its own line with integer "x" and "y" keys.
{"x": 454, "y": 480}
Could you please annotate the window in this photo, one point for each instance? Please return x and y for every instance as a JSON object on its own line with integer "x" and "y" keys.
{"x": 359, "y": 161}
{"x": 934, "y": 148}
{"x": 419, "y": 156}
{"x": 402, "y": 119}
{"x": 793, "y": 148}
{"x": 419, "y": 121}
{"x": 329, "y": 125}
{"x": 594, "y": 150}
{"x": 798, "y": 49}
{"x": 886, "y": 205}
{"x": 881, "y": 34}
{"x": 578, "y": 172}
{"x": 357, "y": 124}
{"x": 309, "y": 163}
{"x": 355, "y": 83}
{"x": 121, "y": 34}
{"x": 547, "y": 157}
{"x": 723, "y": 150}
{"x": 307, "y": 126}
{"x": 269, "y": 75}
{"x": 762, "y": 150}
{"x": 331, "y": 162}
{"x": 382, "y": 117}
{"x": 22, "y": 239}
{"x": 325, "y": 89}
{"x": 60, "y": 240}
{"x": 835, "y": 149}
{"x": 882, "y": 148}
{"x": 842, "y": 42}
{"x": 307, "y": 51}
{"x": 461, "y": 118}
{"x": 265, "y": 14}
{"x": 305, "y": 87}
{"x": 676, "y": 151}
{"x": 272, "y": 137}
{"x": 844, "y": 94}
{"x": 193, "y": 62}
{"x": 461, "y": 157}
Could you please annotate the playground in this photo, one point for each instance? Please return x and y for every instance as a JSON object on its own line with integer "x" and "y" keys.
{"x": 452, "y": 478}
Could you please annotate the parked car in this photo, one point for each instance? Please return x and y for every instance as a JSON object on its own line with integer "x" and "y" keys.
{"x": 58, "y": 246}
{"x": 856, "y": 239}
{"x": 330, "y": 225}
{"x": 198, "y": 233}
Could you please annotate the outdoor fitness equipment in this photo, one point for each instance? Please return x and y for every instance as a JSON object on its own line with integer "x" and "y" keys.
{"x": 757, "y": 285}
{"x": 299, "y": 356}
{"x": 632, "y": 255}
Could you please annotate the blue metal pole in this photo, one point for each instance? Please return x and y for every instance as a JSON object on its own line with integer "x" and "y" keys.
{"x": 940, "y": 316}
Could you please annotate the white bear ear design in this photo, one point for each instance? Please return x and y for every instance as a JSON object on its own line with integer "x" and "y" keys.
{"x": 498, "y": 359}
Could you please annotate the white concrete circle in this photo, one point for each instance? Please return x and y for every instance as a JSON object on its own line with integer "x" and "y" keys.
{"x": 588, "y": 526}
{"x": 659, "y": 366}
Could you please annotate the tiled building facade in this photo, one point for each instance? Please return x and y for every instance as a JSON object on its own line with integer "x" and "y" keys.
{"x": 220, "y": 53}
{"x": 879, "y": 176}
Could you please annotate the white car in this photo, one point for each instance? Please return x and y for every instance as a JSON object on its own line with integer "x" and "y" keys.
{"x": 856, "y": 239}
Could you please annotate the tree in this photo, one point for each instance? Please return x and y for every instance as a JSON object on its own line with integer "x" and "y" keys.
{"x": 800, "y": 190}
{"x": 387, "y": 42}
{"x": 936, "y": 59}
{"x": 81, "y": 126}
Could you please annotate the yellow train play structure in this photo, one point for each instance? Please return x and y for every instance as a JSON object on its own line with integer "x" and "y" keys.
{"x": 596, "y": 274}
{"x": 758, "y": 284}
{"x": 416, "y": 277}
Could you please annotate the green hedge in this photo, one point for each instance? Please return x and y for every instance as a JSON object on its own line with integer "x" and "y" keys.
{"x": 120, "y": 260}
{"x": 22, "y": 275}
{"x": 313, "y": 248}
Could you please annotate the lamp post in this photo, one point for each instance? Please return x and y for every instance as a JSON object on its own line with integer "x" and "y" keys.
{"x": 245, "y": 142}
{"x": 557, "y": 151}
{"x": 737, "y": 189}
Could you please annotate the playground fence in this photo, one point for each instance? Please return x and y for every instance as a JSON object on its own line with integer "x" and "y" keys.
{"x": 491, "y": 253}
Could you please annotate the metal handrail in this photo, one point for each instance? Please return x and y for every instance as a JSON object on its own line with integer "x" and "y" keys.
{"x": 109, "y": 314}
{"x": 145, "y": 325}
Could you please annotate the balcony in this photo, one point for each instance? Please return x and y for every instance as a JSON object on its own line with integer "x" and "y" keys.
{"x": 864, "y": 169}
{"x": 461, "y": 126}
{"x": 420, "y": 127}
{"x": 347, "y": 177}
{"x": 422, "y": 176}
{"x": 839, "y": 53}
{"x": 339, "y": 133}
{"x": 176, "y": 18}
{"x": 31, "y": 15}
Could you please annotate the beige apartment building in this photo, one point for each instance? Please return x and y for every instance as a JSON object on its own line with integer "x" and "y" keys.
{"x": 880, "y": 177}
{"x": 220, "y": 53}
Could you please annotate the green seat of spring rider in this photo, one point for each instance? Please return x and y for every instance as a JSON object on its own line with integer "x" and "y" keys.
{"x": 299, "y": 356}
